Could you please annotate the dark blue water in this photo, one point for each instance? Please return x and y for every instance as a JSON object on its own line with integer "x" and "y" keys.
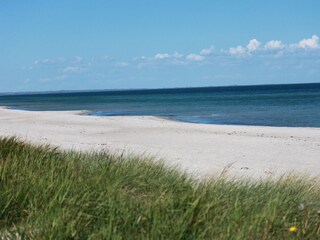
{"x": 295, "y": 105}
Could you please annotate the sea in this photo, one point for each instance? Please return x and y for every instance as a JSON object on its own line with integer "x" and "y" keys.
{"x": 290, "y": 105}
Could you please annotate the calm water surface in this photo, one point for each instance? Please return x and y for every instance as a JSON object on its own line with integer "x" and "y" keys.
{"x": 295, "y": 105}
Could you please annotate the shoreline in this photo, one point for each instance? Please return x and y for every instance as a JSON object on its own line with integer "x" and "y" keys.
{"x": 200, "y": 149}
{"x": 167, "y": 118}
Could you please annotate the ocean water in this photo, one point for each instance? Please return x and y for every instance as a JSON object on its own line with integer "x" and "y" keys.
{"x": 295, "y": 105}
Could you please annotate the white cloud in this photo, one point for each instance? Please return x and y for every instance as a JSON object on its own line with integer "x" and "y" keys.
{"x": 45, "y": 61}
{"x": 274, "y": 44}
{"x": 310, "y": 42}
{"x": 176, "y": 55}
{"x": 207, "y": 51}
{"x": 122, "y": 64}
{"x": 195, "y": 57}
{"x": 49, "y": 61}
{"x": 160, "y": 56}
{"x": 253, "y": 45}
{"x": 239, "y": 50}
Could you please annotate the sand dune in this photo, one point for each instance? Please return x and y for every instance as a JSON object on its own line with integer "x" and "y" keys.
{"x": 201, "y": 149}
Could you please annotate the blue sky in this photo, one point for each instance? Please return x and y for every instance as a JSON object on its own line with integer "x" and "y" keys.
{"x": 115, "y": 44}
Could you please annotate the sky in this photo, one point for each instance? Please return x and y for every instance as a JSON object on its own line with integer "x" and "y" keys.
{"x": 130, "y": 44}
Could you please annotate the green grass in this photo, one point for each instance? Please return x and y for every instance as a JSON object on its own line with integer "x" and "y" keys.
{"x": 49, "y": 194}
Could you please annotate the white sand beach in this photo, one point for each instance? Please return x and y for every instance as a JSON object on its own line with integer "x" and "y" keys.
{"x": 249, "y": 151}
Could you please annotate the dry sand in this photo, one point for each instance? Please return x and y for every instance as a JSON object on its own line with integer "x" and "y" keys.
{"x": 249, "y": 151}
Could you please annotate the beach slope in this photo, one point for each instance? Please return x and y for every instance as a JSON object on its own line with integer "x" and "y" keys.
{"x": 250, "y": 151}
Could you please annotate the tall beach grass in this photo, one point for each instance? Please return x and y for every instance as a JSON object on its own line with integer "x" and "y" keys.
{"x": 46, "y": 193}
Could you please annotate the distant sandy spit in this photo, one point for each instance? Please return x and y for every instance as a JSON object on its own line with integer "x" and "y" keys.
{"x": 200, "y": 149}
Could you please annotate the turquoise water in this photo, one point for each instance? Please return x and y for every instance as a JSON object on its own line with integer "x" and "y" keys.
{"x": 295, "y": 105}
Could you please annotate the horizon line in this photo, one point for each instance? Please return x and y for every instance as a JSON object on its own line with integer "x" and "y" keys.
{"x": 142, "y": 89}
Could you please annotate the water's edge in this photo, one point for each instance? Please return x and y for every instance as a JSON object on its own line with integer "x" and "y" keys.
{"x": 296, "y": 105}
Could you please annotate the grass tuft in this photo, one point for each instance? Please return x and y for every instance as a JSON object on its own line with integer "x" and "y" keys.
{"x": 49, "y": 194}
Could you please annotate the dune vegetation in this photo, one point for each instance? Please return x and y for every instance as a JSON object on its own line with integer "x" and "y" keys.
{"x": 47, "y": 193}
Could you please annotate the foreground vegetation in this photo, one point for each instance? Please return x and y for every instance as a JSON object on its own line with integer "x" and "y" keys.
{"x": 49, "y": 194}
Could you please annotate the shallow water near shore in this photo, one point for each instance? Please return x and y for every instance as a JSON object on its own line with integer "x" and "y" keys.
{"x": 294, "y": 105}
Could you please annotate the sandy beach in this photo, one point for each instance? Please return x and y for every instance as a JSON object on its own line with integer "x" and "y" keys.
{"x": 201, "y": 149}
